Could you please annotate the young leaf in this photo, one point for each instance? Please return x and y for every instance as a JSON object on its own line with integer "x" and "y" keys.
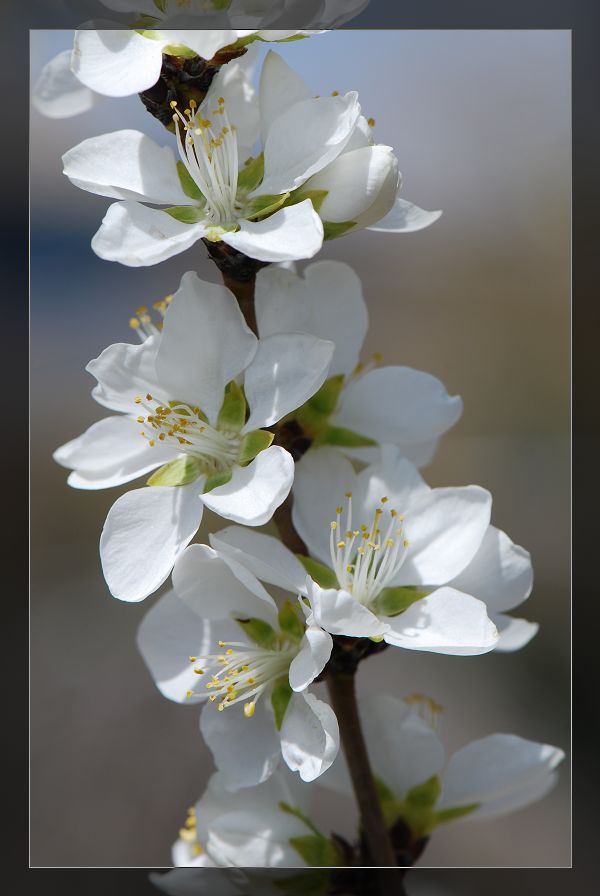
{"x": 260, "y": 632}
{"x": 454, "y": 812}
{"x": 289, "y": 621}
{"x": 298, "y": 813}
{"x": 317, "y": 852}
{"x": 392, "y": 601}
{"x": 280, "y": 697}
{"x": 180, "y": 471}
{"x": 232, "y": 415}
{"x": 322, "y": 575}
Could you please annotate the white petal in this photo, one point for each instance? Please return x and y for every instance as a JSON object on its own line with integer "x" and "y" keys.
{"x": 111, "y": 452}
{"x": 286, "y": 371}
{"x": 405, "y": 218}
{"x": 355, "y": 181}
{"x": 494, "y": 768}
{"x": 256, "y": 491}
{"x": 124, "y": 372}
{"x": 191, "y": 363}
{"x": 205, "y": 43}
{"x": 168, "y": 635}
{"x": 500, "y": 573}
{"x": 116, "y": 63}
{"x": 144, "y": 533}
{"x": 397, "y": 405}
{"x": 419, "y": 454}
{"x": 305, "y": 138}
{"x": 205, "y": 582}
{"x": 241, "y": 104}
{"x": 280, "y": 88}
{"x": 246, "y": 839}
{"x": 514, "y": 633}
{"x": 309, "y": 736}
{"x": 341, "y": 614}
{"x": 446, "y": 621}
{"x": 327, "y": 302}
{"x": 321, "y": 479}
{"x": 137, "y": 236}
{"x": 246, "y": 751}
{"x": 57, "y": 93}
{"x": 291, "y": 233}
{"x": 315, "y": 650}
{"x": 391, "y": 476}
{"x": 444, "y": 529}
{"x": 263, "y": 555}
{"x": 125, "y": 165}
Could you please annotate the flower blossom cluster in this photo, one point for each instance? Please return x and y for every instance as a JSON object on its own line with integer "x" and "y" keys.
{"x": 248, "y": 417}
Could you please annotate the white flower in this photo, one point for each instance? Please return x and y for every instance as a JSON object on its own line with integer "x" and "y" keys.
{"x": 487, "y": 778}
{"x": 180, "y": 390}
{"x": 219, "y": 638}
{"x": 360, "y": 405}
{"x": 246, "y": 828}
{"x": 392, "y": 558}
{"x": 263, "y": 206}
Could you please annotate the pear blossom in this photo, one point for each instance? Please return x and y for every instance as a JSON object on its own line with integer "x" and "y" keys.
{"x": 319, "y": 174}
{"x": 181, "y": 409}
{"x": 421, "y": 567}
{"x": 220, "y": 639}
{"x": 360, "y": 405}
{"x": 489, "y": 777}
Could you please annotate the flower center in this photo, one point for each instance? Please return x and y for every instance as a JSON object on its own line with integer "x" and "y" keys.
{"x": 243, "y": 672}
{"x": 176, "y": 421}
{"x": 366, "y": 560}
{"x": 189, "y": 834}
{"x": 209, "y": 151}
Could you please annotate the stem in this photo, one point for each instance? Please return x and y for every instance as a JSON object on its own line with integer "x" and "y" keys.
{"x": 239, "y": 275}
{"x": 343, "y": 699}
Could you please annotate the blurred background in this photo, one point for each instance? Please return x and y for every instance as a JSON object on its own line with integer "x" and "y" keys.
{"x": 480, "y": 121}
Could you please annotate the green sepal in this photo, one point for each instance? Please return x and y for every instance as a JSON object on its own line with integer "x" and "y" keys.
{"x": 317, "y": 851}
{"x": 280, "y": 697}
{"x": 290, "y": 622}
{"x": 187, "y": 214}
{"x": 338, "y": 435}
{"x": 325, "y": 400}
{"x": 298, "y": 813}
{"x": 392, "y": 601}
{"x": 454, "y": 812}
{"x": 146, "y": 26}
{"x": 260, "y": 632}
{"x": 317, "y": 197}
{"x": 417, "y": 806}
{"x": 180, "y": 471}
{"x": 216, "y": 480}
{"x": 332, "y": 230}
{"x": 232, "y": 415}
{"x": 179, "y": 50}
{"x": 188, "y": 184}
{"x": 261, "y": 206}
{"x": 321, "y": 574}
{"x": 253, "y": 443}
{"x": 251, "y": 174}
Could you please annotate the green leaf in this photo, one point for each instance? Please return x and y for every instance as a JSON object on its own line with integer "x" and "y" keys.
{"x": 253, "y": 443}
{"x": 454, "y": 812}
{"x": 188, "y": 184}
{"x": 389, "y": 803}
{"x": 290, "y": 622}
{"x": 261, "y": 206}
{"x": 298, "y": 813}
{"x": 216, "y": 480}
{"x": 316, "y": 197}
{"x": 425, "y": 795}
{"x": 260, "y": 632}
{"x": 322, "y": 575}
{"x": 280, "y": 697}
{"x": 232, "y": 415}
{"x": 325, "y": 400}
{"x": 180, "y": 471}
{"x": 187, "y": 214}
{"x": 338, "y": 435}
{"x": 251, "y": 174}
{"x": 392, "y": 601}
{"x": 317, "y": 851}
{"x": 331, "y": 230}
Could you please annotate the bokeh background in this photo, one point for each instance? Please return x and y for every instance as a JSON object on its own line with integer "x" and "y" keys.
{"x": 480, "y": 121}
